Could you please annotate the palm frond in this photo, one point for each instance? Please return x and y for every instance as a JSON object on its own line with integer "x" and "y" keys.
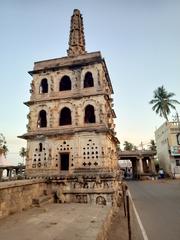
{"x": 162, "y": 102}
{"x": 174, "y": 101}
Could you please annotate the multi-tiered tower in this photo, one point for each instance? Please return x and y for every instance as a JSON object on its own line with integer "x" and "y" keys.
{"x": 71, "y": 128}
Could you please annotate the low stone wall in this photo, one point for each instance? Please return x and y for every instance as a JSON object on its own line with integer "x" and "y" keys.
{"x": 19, "y": 195}
{"x": 103, "y": 233}
{"x": 16, "y": 196}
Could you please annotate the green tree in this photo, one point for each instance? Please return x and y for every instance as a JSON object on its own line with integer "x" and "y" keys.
{"x": 162, "y": 102}
{"x": 3, "y": 144}
{"x": 135, "y": 148}
{"x": 23, "y": 153}
{"x": 152, "y": 145}
{"x": 128, "y": 146}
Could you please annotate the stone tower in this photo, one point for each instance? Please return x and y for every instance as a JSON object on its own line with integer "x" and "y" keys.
{"x": 70, "y": 132}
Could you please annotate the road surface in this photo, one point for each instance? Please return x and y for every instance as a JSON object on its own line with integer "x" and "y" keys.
{"x": 158, "y": 205}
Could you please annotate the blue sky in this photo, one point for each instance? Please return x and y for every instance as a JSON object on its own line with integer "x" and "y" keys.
{"x": 139, "y": 39}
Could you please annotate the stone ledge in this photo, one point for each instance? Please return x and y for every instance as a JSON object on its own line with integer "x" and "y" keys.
{"x": 89, "y": 191}
{"x": 20, "y": 183}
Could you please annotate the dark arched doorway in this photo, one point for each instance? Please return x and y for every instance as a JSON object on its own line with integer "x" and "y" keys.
{"x": 65, "y": 117}
{"x": 89, "y": 116}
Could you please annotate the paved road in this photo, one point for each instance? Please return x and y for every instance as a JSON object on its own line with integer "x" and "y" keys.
{"x": 158, "y": 205}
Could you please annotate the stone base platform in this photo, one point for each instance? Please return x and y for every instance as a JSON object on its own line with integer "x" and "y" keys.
{"x": 58, "y": 222}
{"x": 92, "y": 187}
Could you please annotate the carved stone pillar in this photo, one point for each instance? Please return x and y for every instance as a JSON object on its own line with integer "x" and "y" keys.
{"x": 10, "y": 173}
{"x": 152, "y": 165}
{"x": 140, "y": 168}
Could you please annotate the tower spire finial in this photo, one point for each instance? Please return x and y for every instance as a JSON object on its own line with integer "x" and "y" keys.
{"x": 76, "y": 36}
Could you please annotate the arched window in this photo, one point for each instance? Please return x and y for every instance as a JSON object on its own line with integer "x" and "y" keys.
{"x": 42, "y": 121}
{"x": 88, "y": 80}
{"x": 89, "y": 116}
{"x": 65, "y": 84}
{"x": 44, "y": 86}
{"x": 65, "y": 117}
{"x": 100, "y": 200}
{"x": 40, "y": 147}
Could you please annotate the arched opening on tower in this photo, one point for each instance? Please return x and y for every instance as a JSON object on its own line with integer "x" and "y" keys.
{"x": 65, "y": 117}
{"x": 65, "y": 83}
{"x": 40, "y": 147}
{"x": 43, "y": 86}
{"x": 88, "y": 80}
{"x": 42, "y": 120}
{"x": 89, "y": 114}
{"x": 64, "y": 161}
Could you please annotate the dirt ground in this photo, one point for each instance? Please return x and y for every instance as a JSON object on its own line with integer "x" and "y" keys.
{"x": 63, "y": 222}
{"x": 119, "y": 226}
{"x": 55, "y": 222}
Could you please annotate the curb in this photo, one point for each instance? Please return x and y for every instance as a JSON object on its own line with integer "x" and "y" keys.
{"x": 145, "y": 237}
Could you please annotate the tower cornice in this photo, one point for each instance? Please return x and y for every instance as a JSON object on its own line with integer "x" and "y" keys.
{"x": 65, "y": 62}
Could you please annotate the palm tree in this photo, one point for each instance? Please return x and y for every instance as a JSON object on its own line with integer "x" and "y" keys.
{"x": 23, "y": 153}
{"x": 152, "y": 145}
{"x": 163, "y": 102}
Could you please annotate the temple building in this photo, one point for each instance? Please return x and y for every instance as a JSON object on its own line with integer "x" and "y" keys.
{"x": 70, "y": 132}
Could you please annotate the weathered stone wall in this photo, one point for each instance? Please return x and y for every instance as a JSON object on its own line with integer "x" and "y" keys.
{"x": 106, "y": 225}
{"x": 86, "y": 150}
{"x": 89, "y": 143}
{"x": 76, "y": 75}
{"x": 101, "y": 189}
{"x": 18, "y": 195}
